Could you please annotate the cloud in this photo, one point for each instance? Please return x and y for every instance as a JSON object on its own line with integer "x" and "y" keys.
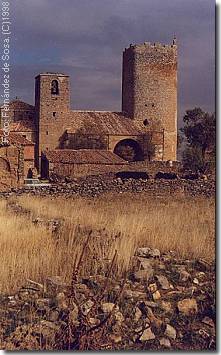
{"x": 86, "y": 38}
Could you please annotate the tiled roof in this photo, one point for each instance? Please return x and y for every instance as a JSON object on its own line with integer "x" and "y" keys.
{"x": 20, "y": 105}
{"x": 22, "y": 126}
{"x": 18, "y": 139}
{"x": 104, "y": 122}
{"x": 83, "y": 156}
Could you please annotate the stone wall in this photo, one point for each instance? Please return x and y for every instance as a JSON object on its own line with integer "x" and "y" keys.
{"x": 83, "y": 170}
{"x": 92, "y": 186}
{"x": 11, "y": 167}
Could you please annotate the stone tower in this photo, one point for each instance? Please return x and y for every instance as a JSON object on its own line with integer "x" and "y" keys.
{"x": 149, "y": 89}
{"x": 52, "y": 105}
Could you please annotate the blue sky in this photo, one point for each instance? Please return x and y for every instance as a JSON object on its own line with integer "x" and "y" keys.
{"x": 86, "y": 38}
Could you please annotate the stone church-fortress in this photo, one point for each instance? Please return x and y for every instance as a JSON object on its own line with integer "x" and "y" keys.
{"x": 54, "y": 138}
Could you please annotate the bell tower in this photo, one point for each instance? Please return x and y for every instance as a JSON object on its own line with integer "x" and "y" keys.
{"x": 52, "y": 107}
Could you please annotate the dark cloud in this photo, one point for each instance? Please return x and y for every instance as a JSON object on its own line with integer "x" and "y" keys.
{"x": 86, "y": 38}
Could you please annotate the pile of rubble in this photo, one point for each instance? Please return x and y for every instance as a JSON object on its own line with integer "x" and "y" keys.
{"x": 96, "y": 185}
{"x": 163, "y": 302}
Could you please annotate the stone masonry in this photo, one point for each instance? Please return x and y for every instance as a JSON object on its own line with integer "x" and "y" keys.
{"x": 149, "y": 91}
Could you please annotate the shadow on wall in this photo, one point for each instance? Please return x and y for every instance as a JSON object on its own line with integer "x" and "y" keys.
{"x": 4, "y": 165}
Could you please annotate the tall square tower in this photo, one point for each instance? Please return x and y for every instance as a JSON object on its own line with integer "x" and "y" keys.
{"x": 52, "y": 106}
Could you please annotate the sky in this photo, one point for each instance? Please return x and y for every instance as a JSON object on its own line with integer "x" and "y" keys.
{"x": 85, "y": 39}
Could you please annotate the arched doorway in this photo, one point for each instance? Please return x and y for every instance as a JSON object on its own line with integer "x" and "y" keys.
{"x": 129, "y": 150}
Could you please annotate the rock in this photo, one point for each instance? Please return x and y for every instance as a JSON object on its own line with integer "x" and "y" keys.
{"x": 156, "y": 295}
{"x": 184, "y": 275}
{"x": 73, "y": 317}
{"x": 136, "y": 295}
{"x": 43, "y": 303}
{"x": 46, "y": 330}
{"x": 188, "y": 306}
{"x": 201, "y": 275}
{"x": 108, "y": 307}
{"x": 147, "y": 311}
{"x": 148, "y": 253}
{"x": 55, "y": 285}
{"x": 208, "y": 321}
{"x": 170, "y": 332}
{"x": 196, "y": 281}
{"x": 118, "y": 317}
{"x": 24, "y": 295}
{"x": 161, "y": 266}
{"x": 164, "y": 283}
{"x": 34, "y": 285}
{"x": 166, "y": 306}
{"x": 165, "y": 342}
{"x": 143, "y": 252}
{"x": 143, "y": 275}
{"x": 154, "y": 253}
{"x": 138, "y": 329}
{"x": 203, "y": 265}
{"x": 152, "y": 288}
{"x": 116, "y": 338}
{"x": 89, "y": 283}
{"x": 62, "y": 302}
{"x": 151, "y": 304}
{"x": 12, "y": 303}
{"x": 94, "y": 321}
{"x": 144, "y": 264}
{"x": 86, "y": 307}
{"x": 137, "y": 314}
{"x": 53, "y": 316}
{"x": 147, "y": 335}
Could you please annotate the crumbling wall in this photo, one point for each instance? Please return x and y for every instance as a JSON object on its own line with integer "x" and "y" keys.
{"x": 11, "y": 167}
{"x": 82, "y": 170}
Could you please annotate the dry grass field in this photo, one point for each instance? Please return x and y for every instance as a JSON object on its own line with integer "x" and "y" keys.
{"x": 116, "y": 222}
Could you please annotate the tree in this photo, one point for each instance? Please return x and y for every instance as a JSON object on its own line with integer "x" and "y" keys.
{"x": 180, "y": 139}
{"x": 200, "y": 129}
{"x": 193, "y": 159}
{"x": 200, "y": 133}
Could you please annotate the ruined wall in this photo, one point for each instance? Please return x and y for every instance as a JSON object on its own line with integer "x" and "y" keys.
{"x": 78, "y": 170}
{"x": 11, "y": 167}
{"x": 30, "y": 135}
{"x": 29, "y": 158}
{"x": 149, "y": 89}
{"x": 51, "y": 110}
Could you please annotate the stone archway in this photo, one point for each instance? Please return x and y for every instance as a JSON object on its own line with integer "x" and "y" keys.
{"x": 129, "y": 150}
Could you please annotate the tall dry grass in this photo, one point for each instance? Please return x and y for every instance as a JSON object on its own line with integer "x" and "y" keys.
{"x": 121, "y": 222}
